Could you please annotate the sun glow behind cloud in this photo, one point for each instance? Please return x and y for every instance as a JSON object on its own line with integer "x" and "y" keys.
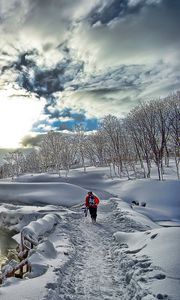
{"x": 17, "y": 116}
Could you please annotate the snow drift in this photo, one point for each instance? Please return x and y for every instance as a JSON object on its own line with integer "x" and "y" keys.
{"x": 64, "y": 194}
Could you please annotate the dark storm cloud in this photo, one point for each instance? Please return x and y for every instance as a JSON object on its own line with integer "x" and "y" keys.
{"x": 115, "y": 9}
{"x": 22, "y": 60}
{"x": 30, "y": 141}
{"x": 43, "y": 80}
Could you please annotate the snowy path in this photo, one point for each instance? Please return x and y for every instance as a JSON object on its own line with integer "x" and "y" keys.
{"x": 94, "y": 270}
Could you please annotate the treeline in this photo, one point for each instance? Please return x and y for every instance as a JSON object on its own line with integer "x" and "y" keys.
{"x": 149, "y": 134}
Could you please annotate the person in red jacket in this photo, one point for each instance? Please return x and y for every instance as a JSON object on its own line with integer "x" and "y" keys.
{"x": 92, "y": 202}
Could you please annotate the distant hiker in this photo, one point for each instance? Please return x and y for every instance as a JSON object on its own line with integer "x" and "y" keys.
{"x": 92, "y": 202}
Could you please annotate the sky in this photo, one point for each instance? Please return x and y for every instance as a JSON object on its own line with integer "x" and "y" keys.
{"x": 65, "y": 62}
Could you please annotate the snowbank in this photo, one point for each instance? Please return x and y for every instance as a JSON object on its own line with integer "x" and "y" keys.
{"x": 126, "y": 210}
{"x": 162, "y": 198}
{"x": 42, "y": 193}
{"x": 47, "y": 256}
{"x": 162, "y": 246}
{"x": 39, "y": 227}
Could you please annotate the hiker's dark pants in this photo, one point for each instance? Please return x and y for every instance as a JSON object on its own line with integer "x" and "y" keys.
{"x": 93, "y": 212}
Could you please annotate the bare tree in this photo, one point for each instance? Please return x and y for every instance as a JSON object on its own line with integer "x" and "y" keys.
{"x": 50, "y": 150}
{"x": 68, "y": 152}
{"x": 79, "y": 131}
{"x": 33, "y": 161}
{"x": 16, "y": 161}
{"x": 156, "y": 125}
{"x": 174, "y": 108}
{"x": 113, "y": 132}
{"x": 138, "y": 132}
{"x": 95, "y": 147}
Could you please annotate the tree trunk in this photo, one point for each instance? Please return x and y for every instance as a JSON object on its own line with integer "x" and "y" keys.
{"x": 177, "y": 165}
{"x": 134, "y": 169}
{"x": 110, "y": 169}
{"x": 159, "y": 170}
{"x": 167, "y": 157}
{"x": 148, "y": 168}
{"x": 127, "y": 171}
{"x": 119, "y": 171}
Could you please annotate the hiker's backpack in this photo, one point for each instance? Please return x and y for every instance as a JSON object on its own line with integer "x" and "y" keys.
{"x": 92, "y": 200}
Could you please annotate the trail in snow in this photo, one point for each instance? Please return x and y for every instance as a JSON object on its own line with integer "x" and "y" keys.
{"x": 96, "y": 270}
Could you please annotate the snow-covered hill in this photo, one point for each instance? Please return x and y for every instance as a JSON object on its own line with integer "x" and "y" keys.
{"x": 124, "y": 256}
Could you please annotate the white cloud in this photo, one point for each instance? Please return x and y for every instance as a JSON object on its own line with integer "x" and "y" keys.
{"x": 137, "y": 38}
{"x": 44, "y": 127}
{"x": 132, "y": 3}
{"x": 94, "y": 105}
{"x": 118, "y": 90}
{"x": 65, "y": 119}
{"x": 33, "y": 23}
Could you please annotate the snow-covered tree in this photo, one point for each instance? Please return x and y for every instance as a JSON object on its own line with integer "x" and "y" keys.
{"x": 33, "y": 161}
{"x": 79, "y": 132}
{"x": 174, "y": 108}
{"x": 50, "y": 151}
{"x": 68, "y": 152}
{"x": 16, "y": 162}
{"x": 113, "y": 132}
{"x": 95, "y": 148}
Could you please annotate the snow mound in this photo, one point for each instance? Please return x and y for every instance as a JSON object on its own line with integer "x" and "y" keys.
{"x": 47, "y": 249}
{"x": 64, "y": 194}
{"x": 38, "y": 228}
{"x": 161, "y": 198}
{"x": 125, "y": 210}
{"x": 162, "y": 246}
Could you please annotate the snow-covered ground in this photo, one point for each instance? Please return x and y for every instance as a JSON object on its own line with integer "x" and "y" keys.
{"x": 131, "y": 253}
